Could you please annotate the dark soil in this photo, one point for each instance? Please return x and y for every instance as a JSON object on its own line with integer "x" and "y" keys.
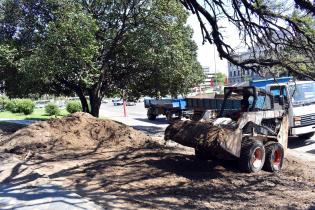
{"x": 119, "y": 167}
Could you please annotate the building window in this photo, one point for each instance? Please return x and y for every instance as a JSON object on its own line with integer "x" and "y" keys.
{"x": 238, "y": 73}
{"x": 234, "y": 73}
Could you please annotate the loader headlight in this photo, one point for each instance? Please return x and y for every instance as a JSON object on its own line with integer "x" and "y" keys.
{"x": 297, "y": 120}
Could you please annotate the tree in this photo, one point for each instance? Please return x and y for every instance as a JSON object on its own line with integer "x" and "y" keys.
{"x": 220, "y": 78}
{"x": 99, "y": 48}
{"x": 270, "y": 29}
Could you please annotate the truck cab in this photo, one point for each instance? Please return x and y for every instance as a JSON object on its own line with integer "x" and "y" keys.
{"x": 300, "y": 97}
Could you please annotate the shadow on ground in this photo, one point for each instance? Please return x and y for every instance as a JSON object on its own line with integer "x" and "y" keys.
{"x": 296, "y": 142}
{"x": 157, "y": 121}
{"x": 150, "y": 129}
{"x": 158, "y": 179}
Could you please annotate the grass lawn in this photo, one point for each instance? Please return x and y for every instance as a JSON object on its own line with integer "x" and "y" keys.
{"x": 38, "y": 114}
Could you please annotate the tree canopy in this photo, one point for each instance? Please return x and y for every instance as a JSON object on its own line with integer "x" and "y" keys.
{"x": 99, "y": 48}
{"x": 277, "y": 33}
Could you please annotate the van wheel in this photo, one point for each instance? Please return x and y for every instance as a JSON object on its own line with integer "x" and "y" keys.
{"x": 274, "y": 157}
{"x": 252, "y": 156}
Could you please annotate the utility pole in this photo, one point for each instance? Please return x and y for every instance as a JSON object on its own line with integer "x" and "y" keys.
{"x": 124, "y": 104}
{"x": 215, "y": 68}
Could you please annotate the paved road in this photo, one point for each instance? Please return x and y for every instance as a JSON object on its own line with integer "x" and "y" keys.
{"x": 136, "y": 117}
{"x": 24, "y": 122}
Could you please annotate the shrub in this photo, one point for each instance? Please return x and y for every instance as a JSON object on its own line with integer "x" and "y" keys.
{"x": 74, "y": 106}
{"x": 52, "y": 109}
{"x": 25, "y": 106}
{"x": 12, "y": 106}
{"x": 3, "y": 102}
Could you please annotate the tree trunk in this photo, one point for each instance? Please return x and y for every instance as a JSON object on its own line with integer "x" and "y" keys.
{"x": 84, "y": 103}
{"x": 95, "y": 102}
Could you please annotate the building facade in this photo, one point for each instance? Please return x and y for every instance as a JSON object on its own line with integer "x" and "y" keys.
{"x": 238, "y": 75}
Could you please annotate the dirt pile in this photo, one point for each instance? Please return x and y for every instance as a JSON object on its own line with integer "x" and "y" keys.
{"x": 78, "y": 131}
{"x": 129, "y": 171}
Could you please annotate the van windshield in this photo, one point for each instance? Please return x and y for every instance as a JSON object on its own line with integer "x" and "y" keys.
{"x": 302, "y": 94}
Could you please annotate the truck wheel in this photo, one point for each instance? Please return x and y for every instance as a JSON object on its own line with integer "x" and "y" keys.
{"x": 197, "y": 116}
{"x": 201, "y": 154}
{"x": 171, "y": 119}
{"x": 274, "y": 157}
{"x": 150, "y": 115}
{"x": 252, "y": 156}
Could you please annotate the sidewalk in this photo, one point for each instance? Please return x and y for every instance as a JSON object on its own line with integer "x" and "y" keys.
{"x": 49, "y": 197}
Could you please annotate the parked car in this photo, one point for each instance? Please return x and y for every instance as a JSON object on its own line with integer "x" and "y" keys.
{"x": 105, "y": 101}
{"x": 131, "y": 103}
{"x": 41, "y": 104}
{"x": 117, "y": 102}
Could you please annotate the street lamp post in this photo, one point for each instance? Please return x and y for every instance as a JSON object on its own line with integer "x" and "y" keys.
{"x": 124, "y": 104}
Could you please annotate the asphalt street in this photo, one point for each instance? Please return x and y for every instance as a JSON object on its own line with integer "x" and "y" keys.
{"x": 137, "y": 118}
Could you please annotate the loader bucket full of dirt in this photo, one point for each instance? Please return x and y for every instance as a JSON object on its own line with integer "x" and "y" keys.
{"x": 201, "y": 135}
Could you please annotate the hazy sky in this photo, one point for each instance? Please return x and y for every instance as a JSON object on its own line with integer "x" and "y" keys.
{"x": 207, "y": 56}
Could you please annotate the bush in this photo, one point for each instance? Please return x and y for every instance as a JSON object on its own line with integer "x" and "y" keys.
{"x": 12, "y": 106}
{"x": 25, "y": 106}
{"x": 74, "y": 106}
{"x": 52, "y": 109}
{"x": 3, "y": 102}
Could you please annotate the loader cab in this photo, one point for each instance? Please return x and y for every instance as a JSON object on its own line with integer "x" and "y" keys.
{"x": 238, "y": 100}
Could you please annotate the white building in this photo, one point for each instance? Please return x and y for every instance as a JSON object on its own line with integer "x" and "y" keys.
{"x": 238, "y": 75}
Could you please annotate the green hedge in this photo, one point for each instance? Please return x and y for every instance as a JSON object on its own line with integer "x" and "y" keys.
{"x": 52, "y": 109}
{"x": 74, "y": 106}
{"x": 25, "y": 106}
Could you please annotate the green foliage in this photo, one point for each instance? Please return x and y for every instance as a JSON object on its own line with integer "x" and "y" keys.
{"x": 12, "y": 106}
{"x": 3, "y": 102}
{"x": 52, "y": 109}
{"x": 99, "y": 48}
{"x": 25, "y": 106}
{"x": 73, "y": 106}
{"x": 220, "y": 78}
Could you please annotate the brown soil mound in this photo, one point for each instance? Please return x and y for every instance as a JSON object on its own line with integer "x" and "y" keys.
{"x": 75, "y": 132}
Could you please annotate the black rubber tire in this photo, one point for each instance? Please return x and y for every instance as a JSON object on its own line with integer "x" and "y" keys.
{"x": 306, "y": 136}
{"x": 150, "y": 115}
{"x": 202, "y": 154}
{"x": 271, "y": 155}
{"x": 248, "y": 149}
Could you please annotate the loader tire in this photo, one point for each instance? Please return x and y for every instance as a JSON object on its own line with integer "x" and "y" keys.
{"x": 201, "y": 154}
{"x": 274, "y": 157}
{"x": 252, "y": 156}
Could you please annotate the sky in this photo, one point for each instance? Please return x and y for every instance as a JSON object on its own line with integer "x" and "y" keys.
{"x": 207, "y": 54}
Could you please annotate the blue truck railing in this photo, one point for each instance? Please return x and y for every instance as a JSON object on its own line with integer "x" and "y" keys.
{"x": 264, "y": 82}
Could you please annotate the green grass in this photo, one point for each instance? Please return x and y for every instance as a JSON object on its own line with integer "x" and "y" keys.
{"x": 38, "y": 114}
